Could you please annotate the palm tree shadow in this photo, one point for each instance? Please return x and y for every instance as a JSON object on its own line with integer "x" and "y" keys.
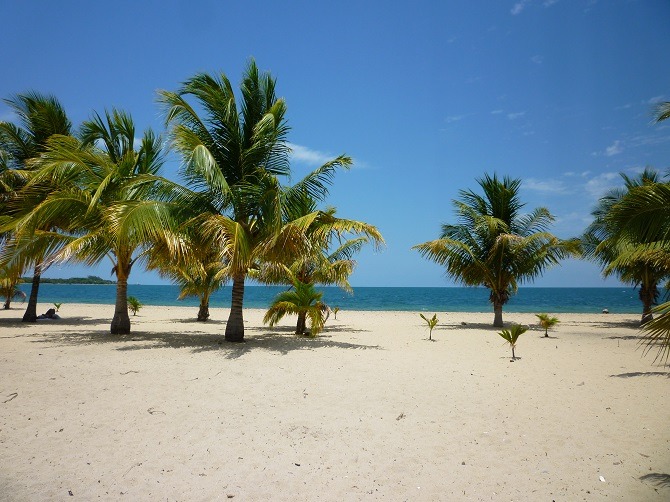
{"x": 666, "y": 374}
{"x": 198, "y": 341}
{"x": 658, "y": 478}
{"x": 63, "y": 321}
{"x": 194, "y": 321}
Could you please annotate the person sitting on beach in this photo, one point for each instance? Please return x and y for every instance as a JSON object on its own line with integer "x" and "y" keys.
{"x": 49, "y": 314}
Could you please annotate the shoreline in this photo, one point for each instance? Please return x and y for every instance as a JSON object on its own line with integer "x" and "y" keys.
{"x": 370, "y": 409}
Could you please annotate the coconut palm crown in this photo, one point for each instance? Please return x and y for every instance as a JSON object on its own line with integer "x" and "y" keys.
{"x": 40, "y": 117}
{"x": 109, "y": 198}
{"x": 233, "y": 156}
{"x": 637, "y": 260}
{"x": 300, "y": 299}
{"x": 494, "y": 244}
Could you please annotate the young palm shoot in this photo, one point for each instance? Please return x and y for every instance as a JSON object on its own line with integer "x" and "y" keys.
{"x": 547, "y": 322}
{"x": 303, "y": 300}
{"x": 335, "y": 311}
{"x": 134, "y": 305}
{"x": 432, "y": 322}
{"x": 58, "y": 305}
{"x": 512, "y": 335}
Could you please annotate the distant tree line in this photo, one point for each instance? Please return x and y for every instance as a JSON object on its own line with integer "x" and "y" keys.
{"x": 91, "y": 279}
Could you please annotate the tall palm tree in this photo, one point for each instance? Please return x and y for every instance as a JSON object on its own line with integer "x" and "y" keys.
{"x": 40, "y": 117}
{"x": 233, "y": 155}
{"x": 114, "y": 202}
{"x": 494, "y": 244}
{"x": 631, "y": 259}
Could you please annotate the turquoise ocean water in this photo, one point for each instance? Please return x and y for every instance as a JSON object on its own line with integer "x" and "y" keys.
{"x": 454, "y": 299}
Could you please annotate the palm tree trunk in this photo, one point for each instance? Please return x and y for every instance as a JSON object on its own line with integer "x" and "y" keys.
{"x": 302, "y": 323}
{"x": 648, "y": 293}
{"x": 31, "y": 310}
{"x": 203, "y": 312}
{"x": 121, "y": 321}
{"x": 497, "y": 314}
{"x": 235, "y": 325}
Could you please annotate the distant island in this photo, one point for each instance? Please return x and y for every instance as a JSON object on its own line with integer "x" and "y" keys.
{"x": 91, "y": 279}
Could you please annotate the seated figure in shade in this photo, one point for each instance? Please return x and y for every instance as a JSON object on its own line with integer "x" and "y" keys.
{"x": 49, "y": 314}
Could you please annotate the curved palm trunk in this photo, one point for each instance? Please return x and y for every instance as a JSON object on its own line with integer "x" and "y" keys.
{"x": 648, "y": 294}
{"x": 121, "y": 320}
{"x": 302, "y": 323}
{"x": 31, "y": 309}
{"x": 235, "y": 325}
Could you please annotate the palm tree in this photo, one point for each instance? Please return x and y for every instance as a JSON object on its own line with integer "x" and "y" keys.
{"x": 631, "y": 259}
{"x": 112, "y": 197}
{"x": 494, "y": 245}
{"x": 199, "y": 268}
{"x": 332, "y": 242}
{"x": 662, "y": 111}
{"x": 234, "y": 155}
{"x": 40, "y": 117}
{"x": 9, "y": 279}
{"x": 512, "y": 335}
{"x": 547, "y": 322}
{"x": 301, "y": 299}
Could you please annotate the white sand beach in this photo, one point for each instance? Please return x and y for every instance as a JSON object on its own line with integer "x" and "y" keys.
{"x": 369, "y": 410}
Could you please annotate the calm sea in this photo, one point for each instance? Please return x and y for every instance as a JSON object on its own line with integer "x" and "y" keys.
{"x": 455, "y": 299}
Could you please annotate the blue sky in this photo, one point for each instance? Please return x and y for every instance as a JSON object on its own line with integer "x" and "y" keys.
{"x": 426, "y": 96}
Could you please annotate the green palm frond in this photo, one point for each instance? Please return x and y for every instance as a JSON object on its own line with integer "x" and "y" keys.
{"x": 662, "y": 111}
{"x": 657, "y": 333}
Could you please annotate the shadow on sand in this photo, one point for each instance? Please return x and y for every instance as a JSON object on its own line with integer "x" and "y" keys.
{"x": 281, "y": 340}
{"x": 665, "y": 374}
{"x": 657, "y": 478}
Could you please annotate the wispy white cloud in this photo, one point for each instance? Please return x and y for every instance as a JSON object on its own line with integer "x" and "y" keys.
{"x": 614, "y": 149}
{"x": 598, "y": 185}
{"x": 656, "y": 100}
{"x": 454, "y": 118}
{"x": 519, "y": 7}
{"x": 545, "y": 186}
{"x": 537, "y": 59}
{"x": 314, "y": 158}
{"x": 496, "y": 112}
{"x": 515, "y": 115}
{"x": 305, "y": 155}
